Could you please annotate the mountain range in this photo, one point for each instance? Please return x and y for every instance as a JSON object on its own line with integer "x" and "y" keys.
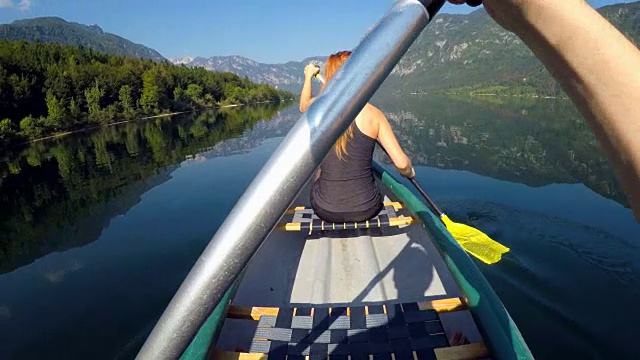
{"x": 57, "y": 30}
{"x": 472, "y": 53}
{"x": 455, "y": 53}
{"x": 287, "y": 76}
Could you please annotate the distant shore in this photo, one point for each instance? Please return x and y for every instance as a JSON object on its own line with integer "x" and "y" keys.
{"x": 66, "y": 133}
{"x": 62, "y": 134}
{"x": 533, "y": 96}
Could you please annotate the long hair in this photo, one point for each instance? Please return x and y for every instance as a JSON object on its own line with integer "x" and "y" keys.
{"x": 330, "y": 68}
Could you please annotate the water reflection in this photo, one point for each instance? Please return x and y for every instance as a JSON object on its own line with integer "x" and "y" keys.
{"x": 530, "y": 141}
{"x": 60, "y": 194}
{"x": 98, "y": 230}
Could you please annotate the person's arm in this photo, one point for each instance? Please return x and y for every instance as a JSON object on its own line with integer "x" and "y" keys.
{"x": 597, "y": 66}
{"x": 389, "y": 142}
{"x": 306, "y": 96}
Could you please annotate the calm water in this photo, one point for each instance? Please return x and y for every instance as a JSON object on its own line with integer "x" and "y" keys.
{"x": 98, "y": 230}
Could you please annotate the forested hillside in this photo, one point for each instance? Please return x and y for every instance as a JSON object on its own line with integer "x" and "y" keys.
{"x": 47, "y": 88}
{"x": 471, "y": 54}
{"x": 55, "y": 30}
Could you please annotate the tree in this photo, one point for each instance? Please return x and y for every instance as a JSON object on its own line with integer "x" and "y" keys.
{"x": 126, "y": 101}
{"x": 7, "y": 132}
{"x": 74, "y": 110}
{"x": 178, "y": 98}
{"x": 209, "y": 100}
{"x": 31, "y": 127}
{"x": 56, "y": 112}
{"x": 93, "y": 96}
{"x": 151, "y": 92}
{"x": 194, "y": 94}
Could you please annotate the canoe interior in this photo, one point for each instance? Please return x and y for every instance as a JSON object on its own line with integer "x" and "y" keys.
{"x": 362, "y": 267}
{"x": 319, "y": 283}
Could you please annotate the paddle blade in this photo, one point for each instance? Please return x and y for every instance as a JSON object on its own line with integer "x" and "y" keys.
{"x": 475, "y": 242}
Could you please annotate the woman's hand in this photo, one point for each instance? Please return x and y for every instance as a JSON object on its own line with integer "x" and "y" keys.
{"x": 310, "y": 71}
{"x": 306, "y": 96}
{"x": 409, "y": 173}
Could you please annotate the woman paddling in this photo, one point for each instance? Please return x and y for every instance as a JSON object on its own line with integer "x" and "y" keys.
{"x": 344, "y": 189}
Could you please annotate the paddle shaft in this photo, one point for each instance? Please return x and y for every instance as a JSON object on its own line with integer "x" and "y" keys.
{"x": 433, "y": 205}
{"x": 413, "y": 180}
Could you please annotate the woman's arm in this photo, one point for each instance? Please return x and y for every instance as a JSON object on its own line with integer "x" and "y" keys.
{"x": 390, "y": 143}
{"x": 306, "y": 96}
{"x": 597, "y": 67}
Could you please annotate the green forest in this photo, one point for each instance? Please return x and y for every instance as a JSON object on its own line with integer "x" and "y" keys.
{"x": 49, "y": 88}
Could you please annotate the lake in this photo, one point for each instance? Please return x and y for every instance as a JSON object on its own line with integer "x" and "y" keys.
{"x": 98, "y": 229}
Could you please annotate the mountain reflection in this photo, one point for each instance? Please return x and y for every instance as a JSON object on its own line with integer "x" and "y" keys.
{"x": 532, "y": 141}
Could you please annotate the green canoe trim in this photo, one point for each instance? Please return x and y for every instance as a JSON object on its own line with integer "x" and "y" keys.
{"x": 499, "y": 331}
{"x": 199, "y": 347}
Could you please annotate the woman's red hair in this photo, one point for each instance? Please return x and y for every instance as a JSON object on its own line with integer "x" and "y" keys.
{"x": 331, "y": 66}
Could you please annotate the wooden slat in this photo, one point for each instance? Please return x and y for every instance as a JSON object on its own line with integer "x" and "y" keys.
{"x": 443, "y": 305}
{"x": 292, "y": 226}
{"x": 408, "y": 220}
{"x": 463, "y": 352}
{"x": 396, "y": 205}
{"x": 229, "y": 355}
{"x": 237, "y": 312}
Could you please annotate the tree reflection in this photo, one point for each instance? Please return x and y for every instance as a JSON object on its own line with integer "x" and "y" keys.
{"x": 50, "y": 185}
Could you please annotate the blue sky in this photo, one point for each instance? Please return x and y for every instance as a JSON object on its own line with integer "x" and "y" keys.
{"x": 269, "y": 31}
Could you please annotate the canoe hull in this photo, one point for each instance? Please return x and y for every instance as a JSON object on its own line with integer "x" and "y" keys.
{"x": 419, "y": 263}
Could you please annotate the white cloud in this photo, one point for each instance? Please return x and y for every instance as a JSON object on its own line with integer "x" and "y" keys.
{"x": 21, "y": 5}
{"x": 24, "y": 5}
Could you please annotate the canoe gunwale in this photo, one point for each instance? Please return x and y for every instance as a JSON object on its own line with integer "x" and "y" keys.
{"x": 492, "y": 319}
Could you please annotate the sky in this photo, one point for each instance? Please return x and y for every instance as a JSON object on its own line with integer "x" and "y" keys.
{"x": 269, "y": 31}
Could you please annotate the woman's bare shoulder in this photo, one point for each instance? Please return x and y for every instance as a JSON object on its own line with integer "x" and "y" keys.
{"x": 370, "y": 113}
{"x": 369, "y": 119}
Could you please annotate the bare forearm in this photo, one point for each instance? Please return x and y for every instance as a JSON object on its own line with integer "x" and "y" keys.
{"x": 305, "y": 95}
{"x": 600, "y": 70}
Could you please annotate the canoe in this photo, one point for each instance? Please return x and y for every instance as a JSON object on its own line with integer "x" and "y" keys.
{"x": 395, "y": 292}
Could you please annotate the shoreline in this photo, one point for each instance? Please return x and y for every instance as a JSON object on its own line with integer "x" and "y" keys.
{"x": 493, "y": 94}
{"x": 66, "y": 133}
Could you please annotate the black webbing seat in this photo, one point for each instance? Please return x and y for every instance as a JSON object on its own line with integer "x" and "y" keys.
{"x": 391, "y": 331}
{"x": 304, "y": 219}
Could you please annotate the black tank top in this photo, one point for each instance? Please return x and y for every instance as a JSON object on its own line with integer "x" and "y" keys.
{"x": 347, "y": 185}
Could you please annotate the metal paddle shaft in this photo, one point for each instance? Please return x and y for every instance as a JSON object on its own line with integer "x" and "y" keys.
{"x": 426, "y": 197}
{"x": 284, "y": 175}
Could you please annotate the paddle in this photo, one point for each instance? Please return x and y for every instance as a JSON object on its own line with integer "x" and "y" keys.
{"x": 472, "y": 240}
